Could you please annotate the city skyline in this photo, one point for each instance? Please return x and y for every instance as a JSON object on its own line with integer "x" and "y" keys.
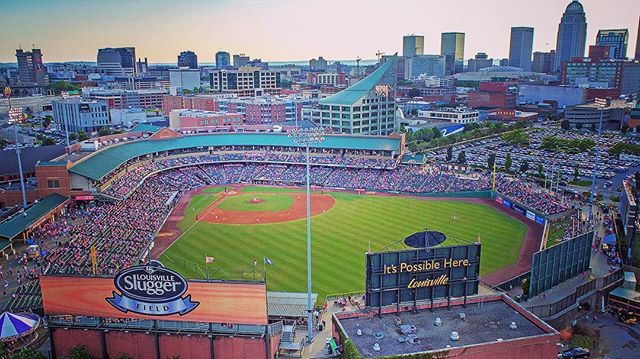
{"x": 160, "y": 29}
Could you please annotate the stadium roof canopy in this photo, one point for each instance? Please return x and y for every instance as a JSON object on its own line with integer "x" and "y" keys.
{"x": 288, "y": 304}
{"x": 354, "y": 92}
{"x": 17, "y": 224}
{"x": 104, "y": 161}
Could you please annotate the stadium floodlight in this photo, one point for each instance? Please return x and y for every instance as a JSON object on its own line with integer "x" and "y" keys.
{"x": 602, "y": 104}
{"x": 306, "y": 137}
{"x": 15, "y": 117}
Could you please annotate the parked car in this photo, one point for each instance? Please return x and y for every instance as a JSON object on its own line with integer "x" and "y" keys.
{"x": 574, "y": 353}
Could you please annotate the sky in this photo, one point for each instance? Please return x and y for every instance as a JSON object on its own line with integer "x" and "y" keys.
{"x": 281, "y": 30}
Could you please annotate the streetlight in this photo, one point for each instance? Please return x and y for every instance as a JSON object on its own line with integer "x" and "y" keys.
{"x": 602, "y": 103}
{"x": 15, "y": 115}
{"x": 306, "y": 137}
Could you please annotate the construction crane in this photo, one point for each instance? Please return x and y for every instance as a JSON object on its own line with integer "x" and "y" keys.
{"x": 379, "y": 55}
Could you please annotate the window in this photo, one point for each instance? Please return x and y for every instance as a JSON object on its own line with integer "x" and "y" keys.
{"x": 53, "y": 183}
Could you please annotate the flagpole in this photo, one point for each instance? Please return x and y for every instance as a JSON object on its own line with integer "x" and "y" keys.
{"x": 206, "y": 264}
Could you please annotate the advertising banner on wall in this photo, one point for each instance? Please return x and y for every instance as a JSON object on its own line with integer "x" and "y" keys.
{"x": 153, "y": 292}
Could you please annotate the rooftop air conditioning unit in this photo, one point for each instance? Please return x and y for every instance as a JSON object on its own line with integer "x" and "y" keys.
{"x": 438, "y": 322}
{"x": 513, "y": 325}
{"x": 463, "y": 316}
{"x": 454, "y": 336}
{"x": 376, "y": 347}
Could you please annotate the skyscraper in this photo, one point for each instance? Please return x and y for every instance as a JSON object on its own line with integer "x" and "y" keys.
{"x": 452, "y": 47}
{"x": 31, "y": 71}
{"x": 223, "y": 60}
{"x": 240, "y": 60}
{"x": 616, "y": 39}
{"x": 521, "y": 47}
{"x": 572, "y": 34}
{"x": 412, "y": 45}
{"x": 188, "y": 59}
{"x": 543, "y": 61}
{"x": 120, "y": 61}
{"x": 638, "y": 42}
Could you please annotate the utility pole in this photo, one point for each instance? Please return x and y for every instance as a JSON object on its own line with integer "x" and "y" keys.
{"x": 15, "y": 116}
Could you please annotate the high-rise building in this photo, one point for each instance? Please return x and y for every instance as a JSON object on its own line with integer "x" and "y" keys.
{"x": 452, "y": 47}
{"x": 616, "y": 39}
{"x": 521, "y": 47}
{"x": 429, "y": 65}
{"x": 245, "y": 81}
{"x": 318, "y": 65}
{"x": 188, "y": 59}
{"x": 366, "y": 107}
{"x": 637, "y": 57}
{"x": 623, "y": 75}
{"x": 543, "y": 61}
{"x": 31, "y": 70}
{"x": 572, "y": 34}
{"x": 120, "y": 61}
{"x": 80, "y": 115}
{"x": 480, "y": 61}
{"x": 412, "y": 45}
{"x": 240, "y": 60}
{"x": 223, "y": 60}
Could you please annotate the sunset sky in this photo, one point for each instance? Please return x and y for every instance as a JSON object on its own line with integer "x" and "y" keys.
{"x": 278, "y": 30}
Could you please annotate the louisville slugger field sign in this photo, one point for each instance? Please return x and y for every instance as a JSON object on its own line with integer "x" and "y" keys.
{"x": 151, "y": 290}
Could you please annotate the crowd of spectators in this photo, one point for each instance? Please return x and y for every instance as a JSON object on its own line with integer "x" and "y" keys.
{"x": 532, "y": 196}
{"x": 120, "y": 232}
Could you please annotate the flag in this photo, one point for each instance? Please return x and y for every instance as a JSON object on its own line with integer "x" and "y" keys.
{"x": 267, "y": 261}
{"x": 208, "y": 259}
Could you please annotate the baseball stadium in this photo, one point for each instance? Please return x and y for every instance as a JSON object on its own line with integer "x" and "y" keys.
{"x": 227, "y": 211}
{"x": 218, "y": 204}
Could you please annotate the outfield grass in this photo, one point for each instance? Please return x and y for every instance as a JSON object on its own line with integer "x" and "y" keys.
{"x": 340, "y": 238}
{"x": 214, "y": 189}
{"x": 273, "y": 202}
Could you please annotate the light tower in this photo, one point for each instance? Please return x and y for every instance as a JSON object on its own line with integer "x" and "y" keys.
{"x": 305, "y": 137}
{"x": 15, "y": 117}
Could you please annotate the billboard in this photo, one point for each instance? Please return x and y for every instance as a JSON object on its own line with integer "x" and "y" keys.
{"x": 408, "y": 276}
{"x": 161, "y": 295}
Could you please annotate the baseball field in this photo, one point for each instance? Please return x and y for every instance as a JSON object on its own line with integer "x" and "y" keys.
{"x": 242, "y": 224}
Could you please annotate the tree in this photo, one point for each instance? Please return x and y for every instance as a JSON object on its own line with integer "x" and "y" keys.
{"x": 576, "y": 173}
{"x": 79, "y": 352}
{"x": 524, "y": 166}
{"x": 625, "y": 128}
{"x": 462, "y": 157}
{"x": 402, "y": 129}
{"x": 48, "y": 141}
{"x": 565, "y": 125}
{"x": 3, "y": 143}
{"x": 60, "y": 86}
{"x": 491, "y": 160}
{"x": 414, "y": 112}
{"x": 540, "y": 170}
{"x": 436, "y": 133}
{"x": 578, "y": 126}
{"x": 414, "y": 92}
{"x": 82, "y": 136}
{"x": 449, "y": 153}
{"x": 508, "y": 162}
{"x": 594, "y": 128}
{"x": 73, "y": 136}
{"x": 28, "y": 353}
{"x": 105, "y": 131}
{"x": 46, "y": 122}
